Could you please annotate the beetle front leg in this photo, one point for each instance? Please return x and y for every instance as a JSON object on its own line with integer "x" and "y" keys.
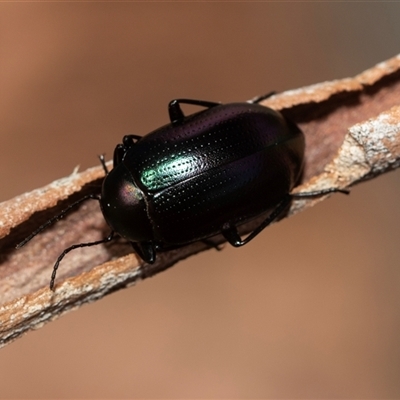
{"x": 229, "y": 231}
{"x": 127, "y": 142}
{"x": 119, "y": 153}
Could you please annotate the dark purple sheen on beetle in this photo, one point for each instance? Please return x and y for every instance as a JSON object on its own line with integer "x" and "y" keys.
{"x": 186, "y": 180}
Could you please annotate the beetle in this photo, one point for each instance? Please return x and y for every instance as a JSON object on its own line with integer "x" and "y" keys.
{"x": 201, "y": 175}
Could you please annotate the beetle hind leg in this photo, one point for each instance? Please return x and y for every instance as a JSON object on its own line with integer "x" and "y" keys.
{"x": 320, "y": 192}
{"x": 229, "y": 231}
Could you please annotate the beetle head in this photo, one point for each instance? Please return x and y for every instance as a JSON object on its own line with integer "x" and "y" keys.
{"x": 124, "y": 207}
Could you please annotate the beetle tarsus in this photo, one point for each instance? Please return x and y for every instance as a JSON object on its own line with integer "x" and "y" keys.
{"x": 145, "y": 250}
{"x": 210, "y": 243}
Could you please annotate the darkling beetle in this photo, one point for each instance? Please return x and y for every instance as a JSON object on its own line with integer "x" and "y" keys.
{"x": 201, "y": 175}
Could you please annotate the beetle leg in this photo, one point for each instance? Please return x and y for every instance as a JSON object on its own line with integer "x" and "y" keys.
{"x": 176, "y": 114}
{"x": 127, "y": 142}
{"x": 231, "y": 234}
{"x": 145, "y": 250}
{"x": 320, "y": 192}
{"x": 259, "y": 99}
{"x": 119, "y": 153}
{"x": 130, "y": 140}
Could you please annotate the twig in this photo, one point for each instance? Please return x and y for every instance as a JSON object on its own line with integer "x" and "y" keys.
{"x": 352, "y": 129}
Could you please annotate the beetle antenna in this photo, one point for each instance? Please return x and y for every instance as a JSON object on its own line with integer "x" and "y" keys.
{"x": 56, "y": 218}
{"x": 76, "y": 246}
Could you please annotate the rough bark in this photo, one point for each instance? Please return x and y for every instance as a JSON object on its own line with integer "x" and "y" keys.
{"x": 352, "y": 129}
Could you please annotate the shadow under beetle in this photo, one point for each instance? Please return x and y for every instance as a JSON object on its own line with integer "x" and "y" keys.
{"x": 201, "y": 175}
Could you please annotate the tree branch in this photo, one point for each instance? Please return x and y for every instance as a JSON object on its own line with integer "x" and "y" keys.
{"x": 352, "y": 129}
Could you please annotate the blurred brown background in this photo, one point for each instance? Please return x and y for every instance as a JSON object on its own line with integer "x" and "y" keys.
{"x": 311, "y": 308}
